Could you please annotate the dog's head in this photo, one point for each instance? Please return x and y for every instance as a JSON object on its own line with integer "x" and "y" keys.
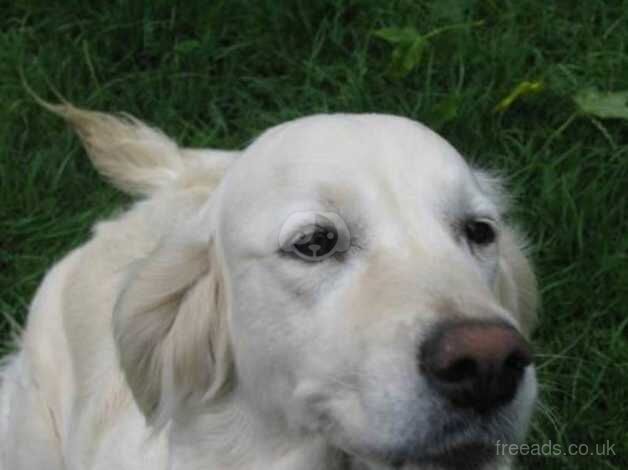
{"x": 351, "y": 277}
{"x": 377, "y": 295}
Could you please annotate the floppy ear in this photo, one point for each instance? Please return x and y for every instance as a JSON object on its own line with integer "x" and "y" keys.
{"x": 170, "y": 326}
{"x": 137, "y": 158}
{"x": 516, "y": 284}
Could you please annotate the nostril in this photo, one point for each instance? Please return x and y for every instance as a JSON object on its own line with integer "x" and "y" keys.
{"x": 461, "y": 369}
{"x": 518, "y": 360}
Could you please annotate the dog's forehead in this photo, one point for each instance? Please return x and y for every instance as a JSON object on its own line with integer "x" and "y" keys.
{"x": 346, "y": 148}
{"x": 356, "y": 138}
{"x": 356, "y": 165}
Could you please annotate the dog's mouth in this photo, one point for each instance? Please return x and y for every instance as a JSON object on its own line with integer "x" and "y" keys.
{"x": 468, "y": 456}
{"x": 455, "y": 446}
{"x": 461, "y": 448}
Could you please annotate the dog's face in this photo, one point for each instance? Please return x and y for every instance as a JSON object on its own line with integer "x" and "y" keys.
{"x": 376, "y": 295}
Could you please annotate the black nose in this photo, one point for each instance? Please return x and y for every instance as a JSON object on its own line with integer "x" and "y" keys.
{"x": 475, "y": 364}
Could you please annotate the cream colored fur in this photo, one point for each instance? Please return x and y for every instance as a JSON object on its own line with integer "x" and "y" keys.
{"x": 179, "y": 338}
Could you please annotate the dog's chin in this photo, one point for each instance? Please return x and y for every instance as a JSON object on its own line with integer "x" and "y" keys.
{"x": 452, "y": 445}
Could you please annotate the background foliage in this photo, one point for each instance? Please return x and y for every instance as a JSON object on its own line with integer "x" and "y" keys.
{"x": 519, "y": 86}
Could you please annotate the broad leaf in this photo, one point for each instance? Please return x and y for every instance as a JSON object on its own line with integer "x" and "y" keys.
{"x": 406, "y": 57}
{"x": 445, "y": 111}
{"x": 593, "y": 102}
{"x": 408, "y": 49}
{"x": 409, "y": 45}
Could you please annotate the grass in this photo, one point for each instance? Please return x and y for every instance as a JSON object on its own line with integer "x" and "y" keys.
{"x": 217, "y": 73}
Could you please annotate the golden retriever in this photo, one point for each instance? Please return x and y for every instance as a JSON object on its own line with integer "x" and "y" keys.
{"x": 345, "y": 293}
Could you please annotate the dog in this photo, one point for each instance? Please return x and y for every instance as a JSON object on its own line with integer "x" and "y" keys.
{"x": 345, "y": 293}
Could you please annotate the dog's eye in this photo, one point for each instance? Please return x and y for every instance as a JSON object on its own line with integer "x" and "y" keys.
{"x": 314, "y": 236}
{"x": 316, "y": 244}
{"x": 479, "y": 232}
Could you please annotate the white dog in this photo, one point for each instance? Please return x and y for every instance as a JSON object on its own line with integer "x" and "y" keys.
{"x": 343, "y": 294}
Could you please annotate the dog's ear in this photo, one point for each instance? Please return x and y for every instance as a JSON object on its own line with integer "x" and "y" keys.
{"x": 171, "y": 329}
{"x": 137, "y": 158}
{"x": 516, "y": 284}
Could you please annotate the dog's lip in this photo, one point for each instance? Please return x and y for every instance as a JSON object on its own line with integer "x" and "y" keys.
{"x": 457, "y": 445}
{"x": 462, "y": 456}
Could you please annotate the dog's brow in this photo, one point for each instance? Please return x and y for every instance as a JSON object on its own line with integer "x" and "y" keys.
{"x": 336, "y": 196}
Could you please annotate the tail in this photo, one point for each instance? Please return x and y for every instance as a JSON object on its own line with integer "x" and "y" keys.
{"x": 137, "y": 158}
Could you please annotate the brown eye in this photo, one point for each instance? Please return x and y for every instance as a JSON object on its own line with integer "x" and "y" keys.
{"x": 479, "y": 232}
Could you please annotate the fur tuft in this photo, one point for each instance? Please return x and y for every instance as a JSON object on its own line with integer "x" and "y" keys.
{"x": 139, "y": 159}
{"x": 136, "y": 158}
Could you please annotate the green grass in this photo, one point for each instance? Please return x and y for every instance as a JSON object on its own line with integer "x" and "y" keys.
{"x": 217, "y": 73}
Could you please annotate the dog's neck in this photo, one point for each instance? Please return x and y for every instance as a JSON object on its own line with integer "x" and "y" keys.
{"x": 230, "y": 435}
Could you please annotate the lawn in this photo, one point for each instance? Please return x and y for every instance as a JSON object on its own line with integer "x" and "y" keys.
{"x": 217, "y": 73}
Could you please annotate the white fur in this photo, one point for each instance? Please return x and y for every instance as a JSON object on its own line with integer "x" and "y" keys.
{"x": 180, "y": 337}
